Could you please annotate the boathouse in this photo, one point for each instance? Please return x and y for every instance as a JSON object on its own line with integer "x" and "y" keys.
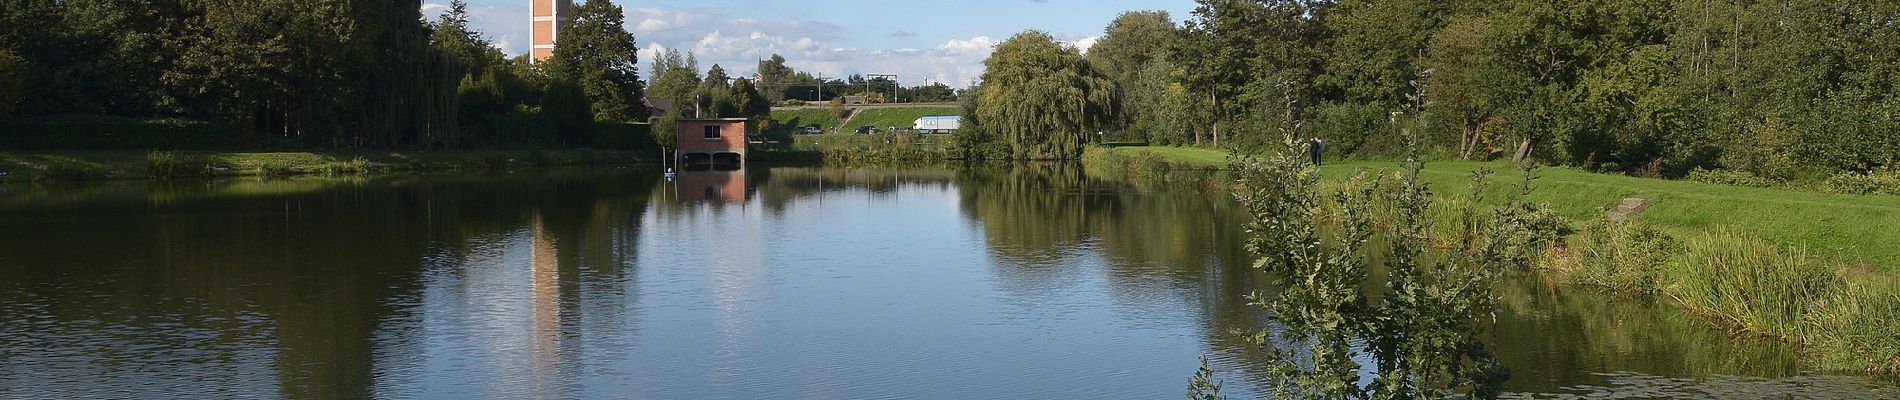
{"x": 718, "y": 141}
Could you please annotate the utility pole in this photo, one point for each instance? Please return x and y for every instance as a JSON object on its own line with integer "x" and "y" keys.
{"x": 821, "y": 88}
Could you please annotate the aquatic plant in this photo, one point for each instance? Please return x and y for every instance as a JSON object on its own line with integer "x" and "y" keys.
{"x": 168, "y": 165}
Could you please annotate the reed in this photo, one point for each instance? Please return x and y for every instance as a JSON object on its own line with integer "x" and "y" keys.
{"x": 1750, "y": 284}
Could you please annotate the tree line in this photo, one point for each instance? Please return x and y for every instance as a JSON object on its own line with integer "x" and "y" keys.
{"x": 1779, "y": 89}
{"x": 325, "y": 74}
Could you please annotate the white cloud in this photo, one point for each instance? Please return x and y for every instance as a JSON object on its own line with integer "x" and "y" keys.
{"x": 737, "y": 43}
{"x": 1084, "y": 44}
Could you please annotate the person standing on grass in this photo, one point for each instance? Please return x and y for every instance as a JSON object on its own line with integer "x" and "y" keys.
{"x": 1317, "y": 149}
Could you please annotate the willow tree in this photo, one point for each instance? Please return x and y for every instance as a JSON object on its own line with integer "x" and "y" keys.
{"x": 1042, "y": 97}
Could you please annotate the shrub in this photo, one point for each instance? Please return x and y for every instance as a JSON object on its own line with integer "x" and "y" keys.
{"x": 355, "y": 166}
{"x": 1625, "y": 256}
{"x": 1729, "y": 177}
{"x": 68, "y": 173}
{"x": 493, "y": 160}
{"x": 621, "y": 136}
{"x": 168, "y": 165}
{"x": 1882, "y": 181}
{"x": 276, "y": 169}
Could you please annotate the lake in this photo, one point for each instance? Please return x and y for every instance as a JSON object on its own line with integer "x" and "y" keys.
{"x": 1027, "y": 281}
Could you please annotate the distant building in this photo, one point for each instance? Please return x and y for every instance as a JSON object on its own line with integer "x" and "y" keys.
{"x": 857, "y": 100}
{"x": 658, "y": 107}
{"x": 546, "y": 27}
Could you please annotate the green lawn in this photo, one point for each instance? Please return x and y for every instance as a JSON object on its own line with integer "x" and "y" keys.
{"x": 900, "y": 117}
{"x": 825, "y": 118}
{"x": 1856, "y": 229}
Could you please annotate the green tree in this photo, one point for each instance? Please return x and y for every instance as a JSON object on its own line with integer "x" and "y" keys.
{"x": 676, "y": 86}
{"x": 748, "y": 103}
{"x": 1457, "y": 85}
{"x": 12, "y": 81}
{"x": 773, "y": 76}
{"x": 1376, "y": 45}
{"x": 452, "y": 34}
{"x": 598, "y": 53}
{"x": 714, "y": 97}
{"x": 1043, "y": 97}
{"x": 1130, "y": 43}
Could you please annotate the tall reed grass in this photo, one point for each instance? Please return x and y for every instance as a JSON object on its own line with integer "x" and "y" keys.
{"x": 1846, "y": 319}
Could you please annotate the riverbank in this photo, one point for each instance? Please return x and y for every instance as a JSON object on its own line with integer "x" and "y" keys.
{"x": 79, "y": 166}
{"x": 1851, "y": 228}
{"x": 1817, "y": 269}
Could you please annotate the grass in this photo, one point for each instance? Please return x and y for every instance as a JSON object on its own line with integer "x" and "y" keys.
{"x": 847, "y": 140}
{"x": 1851, "y": 228}
{"x": 1808, "y": 267}
{"x": 1187, "y": 156}
{"x": 900, "y": 117}
{"x": 102, "y": 165}
{"x": 825, "y": 118}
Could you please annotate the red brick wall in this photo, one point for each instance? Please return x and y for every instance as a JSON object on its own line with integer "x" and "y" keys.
{"x": 692, "y": 137}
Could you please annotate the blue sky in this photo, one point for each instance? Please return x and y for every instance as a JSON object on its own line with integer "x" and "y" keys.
{"x": 942, "y": 41}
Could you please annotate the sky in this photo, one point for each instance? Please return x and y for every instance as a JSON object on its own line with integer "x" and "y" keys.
{"x": 919, "y": 41}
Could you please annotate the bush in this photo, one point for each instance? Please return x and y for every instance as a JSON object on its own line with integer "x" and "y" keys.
{"x": 355, "y": 166}
{"x": 617, "y": 135}
{"x": 1728, "y": 177}
{"x": 493, "y": 160}
{"x": 1353, "y": 129}
{"x": 1882, "y": 181}
{"x": 1625, "y": 256}
{"x": 168, "y": 165}
{"x": 68, "y": 173}
{"x": 276, "y": 169}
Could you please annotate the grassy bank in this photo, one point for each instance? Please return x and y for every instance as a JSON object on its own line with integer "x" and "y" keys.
{"x": 824, "y": 118}
{"x": 900, "y": 117}
{"x": 1814, "y": 268}
{"x": 114, "y": 165}
{"x": 1850, "y": 228}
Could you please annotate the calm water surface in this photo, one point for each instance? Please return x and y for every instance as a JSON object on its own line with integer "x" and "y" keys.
{"x": 1009, "y": 282}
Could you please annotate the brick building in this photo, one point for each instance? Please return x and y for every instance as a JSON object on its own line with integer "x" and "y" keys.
{"x": 546, "y": 26}
{"x": 719, "y": 141}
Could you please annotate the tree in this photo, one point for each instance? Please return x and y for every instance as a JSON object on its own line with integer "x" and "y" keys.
{"x": 750, "y": 104}
{"x": 565, "y": 108}
{"x": 452, "y": 35}
{"x": 1130, "y": 43}
{"x": 1457, "y": 83}
{"x": 773, "y": 76}
{"x": 1042, "y": 97}
{"x": 676, "y": 86}
{"x": 598, "y": 53}
{"x": 12, "y": 81}
{"x": 714, "y": 98}
{"x": 1376, "y": 45}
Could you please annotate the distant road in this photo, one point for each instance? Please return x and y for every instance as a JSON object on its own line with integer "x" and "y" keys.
{"x": 875, "y": 105}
